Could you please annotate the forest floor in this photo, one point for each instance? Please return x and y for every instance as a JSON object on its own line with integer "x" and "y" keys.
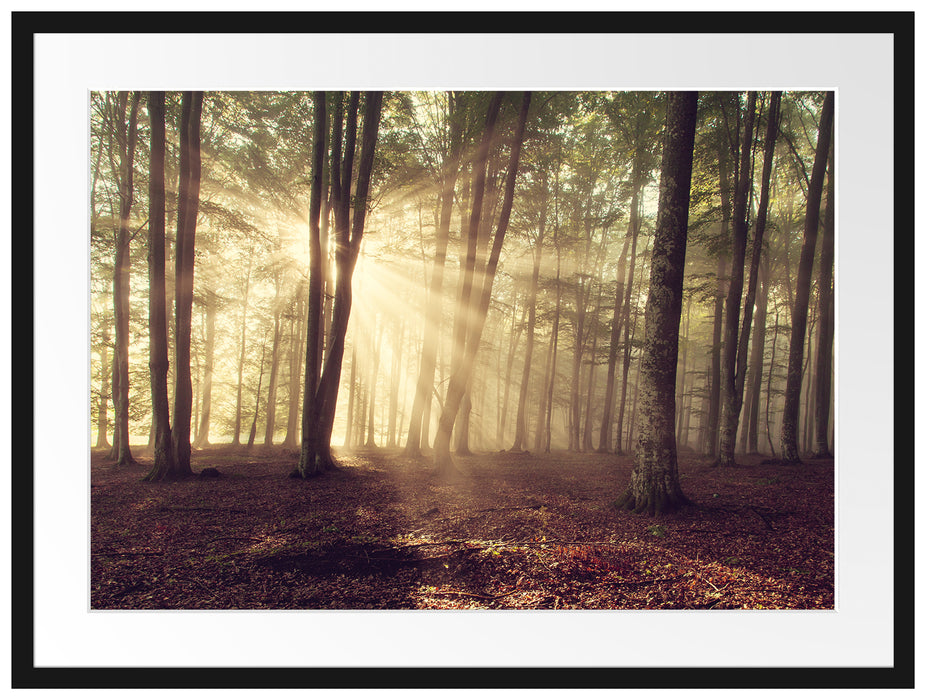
{"x": 515, "y": 531}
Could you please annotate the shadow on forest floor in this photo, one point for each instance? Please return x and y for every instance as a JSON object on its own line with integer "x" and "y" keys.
{"x": 519, "y": 531}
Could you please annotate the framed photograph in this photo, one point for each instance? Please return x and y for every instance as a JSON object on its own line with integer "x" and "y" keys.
{"x": 531, "y": 562}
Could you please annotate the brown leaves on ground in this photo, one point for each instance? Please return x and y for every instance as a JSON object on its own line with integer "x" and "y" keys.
{"x": 515, "y": 531}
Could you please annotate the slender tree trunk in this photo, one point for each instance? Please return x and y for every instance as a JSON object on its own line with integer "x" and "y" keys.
{"x": 520, "y": 433}
{"x": 270, "y": 426}
{"x": 713, "y": 420}
{"x": 260, "y": 378}
{"x": 682, "y": 377}
{"x": 729, "y": 415}
{"x": 768, "y": 387}
{"x": 308, "y": 462}
{"x": 450, "y": 171}
{"x": 102, "y": 420}
{"x": 461, "y": 379}
{"x": 587, "y": 445}
{"x": 756, "y": 365}
{"x": 236, "y": 435}
{"x": 202, "y": 437}
{"x": 348, "y": 250}
{"x": 121, "y": 278}
{"x": 351, "y": 396}
{"x": 548, "y": 420}
{"x": 398, "y": 334}
{"x": 654, "y": 483}
{"x": 514, "y": 339}
{"x": 625, "y": 367}
{"x": 158, "y": 361}
{"x": 789, "y": 451}
{"x": 188, "y": 208}
{"x": 620, "y": 305}
{"x": 824, "y": 360}
{"x": 295, "y": 370}
{"x": 374, "y": 373}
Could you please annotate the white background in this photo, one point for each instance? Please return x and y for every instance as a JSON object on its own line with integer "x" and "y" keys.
{"x": 859, "y": 67}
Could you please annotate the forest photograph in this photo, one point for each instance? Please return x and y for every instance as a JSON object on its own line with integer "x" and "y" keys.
{"x": 462, "y": 350}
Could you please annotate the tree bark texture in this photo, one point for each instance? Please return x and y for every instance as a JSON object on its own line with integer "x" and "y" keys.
{"x": 654, "y": 483}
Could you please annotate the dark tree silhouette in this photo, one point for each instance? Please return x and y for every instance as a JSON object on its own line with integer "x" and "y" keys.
{"x": 126, "y": 137}
{"x": 188, "y": 209}
{"x": 789, "y": 424}
{"x": 158, "y": 362}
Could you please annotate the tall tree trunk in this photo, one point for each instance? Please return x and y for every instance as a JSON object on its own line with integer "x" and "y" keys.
{"x": 202, "y": 437}
{"x": 520, "y": 432}
{"x": 514, "y": 339}
{"x": 548, "y": 419}
{"x": 188, "y": 209}
{"x": 236, "y": 434}
{"x": 824, "y": 360}
{"x": 756, "y": 360}
{"x": 395, "y": 378}
{"x": 654, "y": 483}
{"x": 682, "y": 377}
{"x": 587, "y": 445}
{"x": 374, "y": 373}
{"x": 260, "y": 378}
{"x": 126, "y": 137}
{"x": 620, "y": 305}
{"x": 625, "y": 367}
{"x": 449, "y": 172}
{"x": 789, "y": 451}
{"x": 102, "y": 420}
{"x": 347, "y": 251}
{"x": 308, "y": 463}
{"x": 713, "y": 419}
{"x": 729, "y": 415}
{"x": 270, "y": 426}
{"x": 295, "y": 369}
{"x": 158, "y": 361}
{"x": 461, "y": 379}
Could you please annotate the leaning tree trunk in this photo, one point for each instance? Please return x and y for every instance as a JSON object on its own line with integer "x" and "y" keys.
{"x": 789, "y": 421}
{"x": 348, "y": 249}
{"x": 460, "y": 379}
{"x": 824, "y": 363}
{"x": 654, "y": 483}
{"x": 158, "y": 362}
{"x": 186, "y": 239}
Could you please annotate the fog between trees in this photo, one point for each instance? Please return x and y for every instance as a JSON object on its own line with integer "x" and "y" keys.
{"x": 459, "y": 271}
